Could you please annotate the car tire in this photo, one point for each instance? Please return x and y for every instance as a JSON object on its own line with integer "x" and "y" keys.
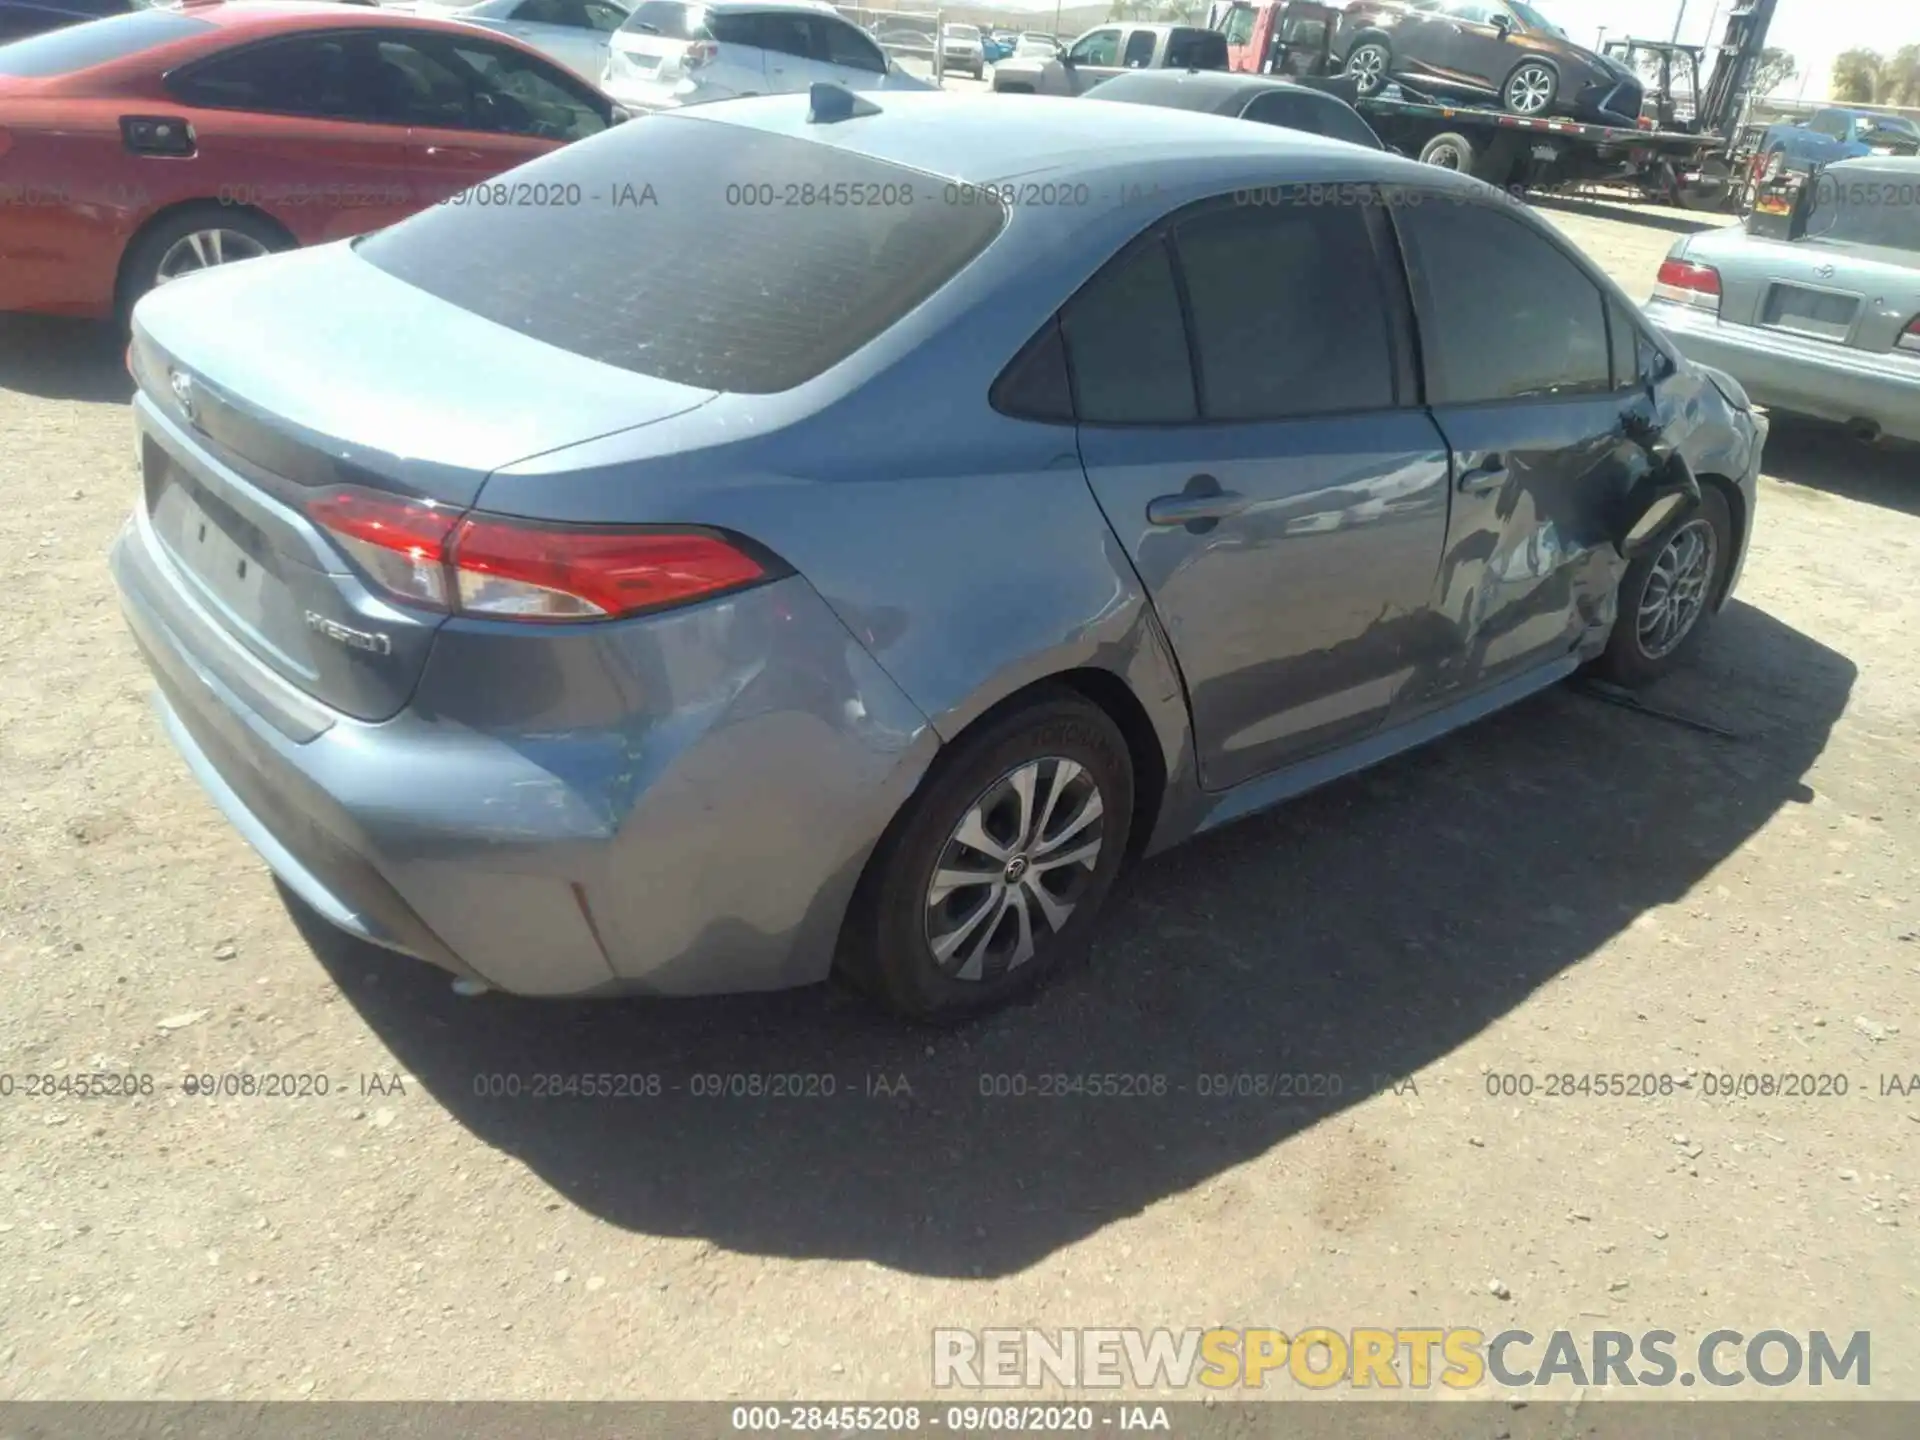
{"x": 1530, "y": 89}
{"x": 1374, "y": 65}
{"x": 1636, "y": 656}
{"x": 1451, "y": 151}
{"x": 940, "y": 953}
{"x": 210, "y": 232}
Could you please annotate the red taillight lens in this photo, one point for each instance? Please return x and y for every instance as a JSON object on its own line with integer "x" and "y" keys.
{"x": 519, "y": 570}
{"x": 401, "y": 543}
{"x": 701, "y": 52}
{"x": 1688, "y": 284}
{"x": 1910, "y": 337}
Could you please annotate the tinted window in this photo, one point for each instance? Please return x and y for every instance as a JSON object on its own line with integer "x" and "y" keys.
{"x": 310, "y": 76}
{"x": 1139, "y": 52}
{"x": 790, "y": 34}
{"x": 1830, "y": 122}
{"x": 1636, "y": 359}
{"x": 1127, "y": 343}
{"x": 1196, "y": 50}
{"x": 1887, "y": 130}
{"x": 1317, "y": 114}
{"x": 520, "y": 95}
{"x": 668, "y": 19}
{"x": 1504, "y": 313}
{"x": 1035, "y": 386}
{"x": 1289, "y": 317}
{"x": 1240, "y": 25}
{"x": 604, "y": 18}
{"x": 844, "y": 45}
{"x": 681, "y": 285}
{"x": 80, "y": 47}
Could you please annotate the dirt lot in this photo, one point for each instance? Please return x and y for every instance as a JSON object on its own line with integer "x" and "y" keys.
{"x": 1569, "y": 887}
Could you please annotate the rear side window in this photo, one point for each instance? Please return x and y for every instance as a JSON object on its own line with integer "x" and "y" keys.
{"x": 1196, "y": 50}
{"x": 669, "y": 19}
{"x": 1139, "y": 52}
{"x": 1127, "y": 343}
{"x": 312, "y": 75}
{"x": 1503, "y": 313}
{"x": 97, "y": 42}
{"x": 1316, "y": 114}
{"x": 1289, "y": 315}
{"x": 665, "y": 269}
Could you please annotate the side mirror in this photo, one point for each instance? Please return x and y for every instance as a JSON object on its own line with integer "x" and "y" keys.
{"x": 1662, "y": 500}
{"x": 620, "y": 115}
{"x": 1502, "y": 22}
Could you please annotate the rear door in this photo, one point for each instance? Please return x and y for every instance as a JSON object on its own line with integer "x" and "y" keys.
{"x": 1514, "y": 336}
{"x": 1243, "y": 388}
{"x": 293, "y": 128}
{"x": 791, "y": 40}
{"x": 475, "y": 108}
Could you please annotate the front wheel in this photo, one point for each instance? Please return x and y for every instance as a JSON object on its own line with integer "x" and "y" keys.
{"x": 1531, "y": 89}
{"x": 1667, "y": 596}
{"x": 993, "y": 875}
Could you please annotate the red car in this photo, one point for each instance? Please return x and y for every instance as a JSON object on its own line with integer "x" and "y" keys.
{"x": 139, "y": 148}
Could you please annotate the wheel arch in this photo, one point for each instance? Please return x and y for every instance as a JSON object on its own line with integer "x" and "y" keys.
{"x": 180, "y": 207}
{"x": 1736, "y": 501}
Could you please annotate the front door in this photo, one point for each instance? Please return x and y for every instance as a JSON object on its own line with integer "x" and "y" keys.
{"x": 1520, "y": 378}
{"x": 1282, "y": 498}
{"x": 1092, "y": 58}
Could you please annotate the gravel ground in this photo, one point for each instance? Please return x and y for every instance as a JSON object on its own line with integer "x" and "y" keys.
{"x": 1569, "y": 887}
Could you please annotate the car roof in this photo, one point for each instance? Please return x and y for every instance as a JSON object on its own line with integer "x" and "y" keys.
{"x": 986, "y": 138}
{"x": 810, "y": 7}
{"x": 1210, "y": 90}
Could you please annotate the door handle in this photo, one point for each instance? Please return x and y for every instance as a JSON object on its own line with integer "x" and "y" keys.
{"x": 1195, "y": 509}
{"x": 448, "y": 152}
{"x": 1489, "y": 475}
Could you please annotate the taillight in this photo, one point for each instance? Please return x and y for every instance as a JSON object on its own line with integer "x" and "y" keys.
{"x": 1686, "y": 283}
{"x": 701, "y": 52}
{"x": 522, "y": 570}
{"x": 1910, "y": 337}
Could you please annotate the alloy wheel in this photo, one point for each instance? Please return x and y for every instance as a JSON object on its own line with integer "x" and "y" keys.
{"x": 1676, "y": 590}
{"x": 1013, "y": 868}
{"x": 1530, "y": 90}
{"x": 203, "y": 249}
{"x": 1368, "y": 65}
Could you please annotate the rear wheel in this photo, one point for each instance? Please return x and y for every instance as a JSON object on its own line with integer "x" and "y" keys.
{"x": 1531, "y": 88}
{"x": 993, "y": 876}
{"x": 192, "y": 239}
{"x": 1666, "y": 597}
{"x": 1450, "y": 151}
{"x": 1370, "y": 63}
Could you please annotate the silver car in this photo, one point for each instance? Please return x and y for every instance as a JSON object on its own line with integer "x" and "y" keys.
{"x": 961, "y": 50}
{"x": 573, "y": 32}
{"x": 703, "y": 586}
{"x": 1826, "y": 324}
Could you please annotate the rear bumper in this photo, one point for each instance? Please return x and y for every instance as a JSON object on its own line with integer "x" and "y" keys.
{"x": 1800, "y": 376}
{"x": 707, "y": 842}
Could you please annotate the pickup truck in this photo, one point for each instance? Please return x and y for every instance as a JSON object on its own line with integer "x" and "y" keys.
{"x": 1109, "y": 50}
{"x": 1829, "y": 135}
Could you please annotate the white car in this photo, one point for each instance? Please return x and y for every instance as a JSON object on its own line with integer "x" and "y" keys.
{"x": 573, "y": 32}
{"x": 960, "y": 49}
{"x": 1036, "y": 47}
{"x": 677, "y": 52}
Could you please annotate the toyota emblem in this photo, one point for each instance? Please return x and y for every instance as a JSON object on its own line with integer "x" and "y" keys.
{"x": 1825, "y": 272}
{"x": 183, "y": 392}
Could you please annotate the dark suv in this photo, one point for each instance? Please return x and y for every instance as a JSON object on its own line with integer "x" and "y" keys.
{"x": 1501, "y": 51}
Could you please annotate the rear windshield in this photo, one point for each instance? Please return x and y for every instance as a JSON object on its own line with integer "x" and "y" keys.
{"x": 697, "y": 251}
{"x": 95, "y": 42}
{"x": 669, "y": 19}
{"x": 1873, "y": 209}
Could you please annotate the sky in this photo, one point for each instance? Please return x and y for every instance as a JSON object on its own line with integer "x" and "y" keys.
{"x": 1814, "y": 30}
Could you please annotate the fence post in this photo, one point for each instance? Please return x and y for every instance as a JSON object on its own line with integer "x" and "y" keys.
{"x": 939, "y": 49}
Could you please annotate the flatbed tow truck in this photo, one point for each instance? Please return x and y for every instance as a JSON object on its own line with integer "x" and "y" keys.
{"x": 1294, "y": 39}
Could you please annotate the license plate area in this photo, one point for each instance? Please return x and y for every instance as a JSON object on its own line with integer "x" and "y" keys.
{"x": 1803, "y": 310}
{"x": 224, "y": 552}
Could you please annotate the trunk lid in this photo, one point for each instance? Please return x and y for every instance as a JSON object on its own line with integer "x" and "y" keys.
{"x": 1861, "y": 296}
{"x": 341, "y": 375}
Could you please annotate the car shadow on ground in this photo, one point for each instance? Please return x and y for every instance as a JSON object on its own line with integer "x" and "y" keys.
{"x": 1630, "y": 214}
{"x": 1360, "y": 933}
{"x": 1825, "y": 457}
{"x": 59, "y": 359}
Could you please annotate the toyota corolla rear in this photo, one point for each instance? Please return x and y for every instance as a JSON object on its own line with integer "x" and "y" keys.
{"x": 546, "y": 726}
